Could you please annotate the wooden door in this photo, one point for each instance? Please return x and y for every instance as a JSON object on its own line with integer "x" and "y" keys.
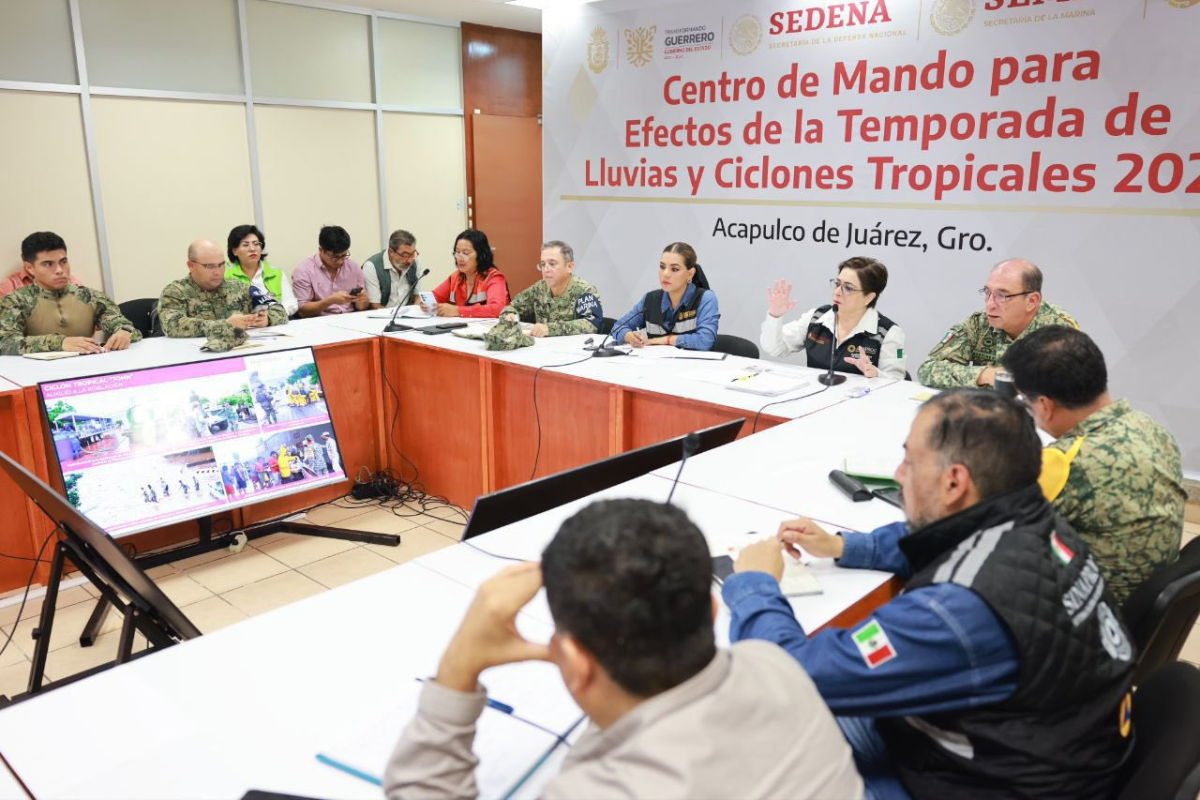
{"x": 507, "y": 203}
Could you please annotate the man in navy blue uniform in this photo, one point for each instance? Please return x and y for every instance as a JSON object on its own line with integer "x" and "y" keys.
{"x": 1002, "y": 669}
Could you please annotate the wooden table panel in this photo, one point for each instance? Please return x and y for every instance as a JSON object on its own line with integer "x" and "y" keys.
{"x": 18, "y": 515}
{"x": 574, "y": 423}
{"x": 443, "y": 419}
{"x": 649, "y": 418}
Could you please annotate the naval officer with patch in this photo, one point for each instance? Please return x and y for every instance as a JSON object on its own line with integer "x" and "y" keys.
{"x": 683, "y": 313}
{"x": 1003, "y": 670}
{"x": 868, "y": 343}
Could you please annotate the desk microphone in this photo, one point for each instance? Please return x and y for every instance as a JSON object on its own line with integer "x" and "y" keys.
{"x": 392, "y": 326}
{"x": 691, "y": 443}
{"x": 831, "y": 378}
{"x": 605, "y": 350}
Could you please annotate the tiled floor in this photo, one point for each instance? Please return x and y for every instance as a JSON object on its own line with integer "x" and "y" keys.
{"x": 219, "y": 588}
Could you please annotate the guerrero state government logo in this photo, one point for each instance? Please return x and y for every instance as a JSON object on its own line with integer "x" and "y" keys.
{"x": 639, "y": 45}
{"x": 1182, "y": 3}
{"x": 746, "y": 34}
{"x": 597, "y": 51}
{"x": 950, "y": 17}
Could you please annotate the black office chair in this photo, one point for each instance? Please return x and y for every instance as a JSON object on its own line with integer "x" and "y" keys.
{"x": 606, "y": 325}
{"x": 141, "y": 313}
{"x": 735, "y": 346}
{"x": 1165, "y": 762}
{"x": 1162, "y": 611}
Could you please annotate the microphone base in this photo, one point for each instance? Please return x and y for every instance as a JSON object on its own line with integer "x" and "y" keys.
{"x": 607, "y": 352}
{"x": 831, "y": 380}
{"x": 396, "y": 327}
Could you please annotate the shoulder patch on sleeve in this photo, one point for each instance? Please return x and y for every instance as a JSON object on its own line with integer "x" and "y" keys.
{"x": 585, "y": 305}
{"x": 873, "y": 644}
{"x": 949, "y": 335}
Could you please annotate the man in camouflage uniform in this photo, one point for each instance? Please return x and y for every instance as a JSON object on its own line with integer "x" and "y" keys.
{"x": 53, "y": 314}
{"x": 1124, "y": 494}
{"x": 206, "y": 303}
{"x": 970, "y": 352}
{"x": 559, "y": 304}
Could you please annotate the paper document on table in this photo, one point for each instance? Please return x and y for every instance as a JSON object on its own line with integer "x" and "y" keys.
{"x": 798, "y": 580}
{"x": 508, "y": 747}
{"x": 766, "y": 383}
{"x": 265, "y": 333}
{"x": 51, "y": 356}
{"x": 717, "y": 374}
{"x": 662, "y": 351}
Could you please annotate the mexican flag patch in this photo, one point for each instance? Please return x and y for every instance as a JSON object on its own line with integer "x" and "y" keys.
{"x": 949, "y": 335}
{"x": 1060, "y": 550}
{"x": 873, "y": 644}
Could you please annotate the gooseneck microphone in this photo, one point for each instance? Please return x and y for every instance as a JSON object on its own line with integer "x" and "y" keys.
{"x": 832, "y": 378}
{"x": 605, "y": 350}
{"x": 392, "y": 327}
{"x": 691, "y": 443}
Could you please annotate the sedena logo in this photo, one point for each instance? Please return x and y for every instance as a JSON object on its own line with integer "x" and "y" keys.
{"x": 639, "y": 45}
{"x": 951, "y": 17}
{"x": 597, "y": 51}
{"x": 745, "y": 35}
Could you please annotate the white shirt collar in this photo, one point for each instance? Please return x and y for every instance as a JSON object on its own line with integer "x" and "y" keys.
{"x": 869, "y": 323}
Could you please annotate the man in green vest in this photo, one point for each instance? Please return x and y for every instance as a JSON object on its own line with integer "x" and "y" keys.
{"x": 392, "y": 274}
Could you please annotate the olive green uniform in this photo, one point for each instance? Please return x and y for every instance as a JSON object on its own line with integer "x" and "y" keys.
{"x": 37, "y": 320}
{"x": 187, "y": 311}
{"x": 577, "y": 310}
{"x": 1125, "y": 494}
{"x": 973, "y": 345}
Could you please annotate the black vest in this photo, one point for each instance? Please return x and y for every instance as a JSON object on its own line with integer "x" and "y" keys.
{"x": 818, "y": 341}
{"x": 1065, "y": 731}
{"x": 685, "y": 315}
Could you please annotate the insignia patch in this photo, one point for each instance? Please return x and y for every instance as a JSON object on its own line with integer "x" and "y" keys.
{"x": 949, "y": 335}
{"x": 873, "y": 644}
{"x": 1060, "y": 550}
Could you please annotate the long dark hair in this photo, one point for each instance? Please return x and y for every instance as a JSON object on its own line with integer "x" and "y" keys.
{"x": 689, "y": 260}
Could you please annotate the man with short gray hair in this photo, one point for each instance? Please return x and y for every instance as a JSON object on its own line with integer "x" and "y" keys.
{"x": 391, "y": 275}
{"x": 560, "y": 304}
{"x": 970, "y": 352}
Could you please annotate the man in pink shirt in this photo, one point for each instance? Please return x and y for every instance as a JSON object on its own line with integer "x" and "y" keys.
{"x": 330, "y": 282}
{"x": 22, "y": 278}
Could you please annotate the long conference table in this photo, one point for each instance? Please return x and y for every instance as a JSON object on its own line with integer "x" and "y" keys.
{"x": 252, "y": 705}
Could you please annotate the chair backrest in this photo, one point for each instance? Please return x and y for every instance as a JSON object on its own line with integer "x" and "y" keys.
{"x": 606, "y": 325}
{"x": 1165, "y": 762}
{"x": 139, "y": 313}
{"x": 1161, "y": 611}
{"x": 735, "y": 346}
{"x": 519, "y": 502}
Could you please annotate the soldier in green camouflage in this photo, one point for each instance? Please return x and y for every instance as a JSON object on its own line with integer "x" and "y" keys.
{"x": 970, "y": 352}
{"x": 1124, "y": 493}
{"x": 53, "y": 314}
{"x": 206, "y": 303}
{"x": 560, "y": 304}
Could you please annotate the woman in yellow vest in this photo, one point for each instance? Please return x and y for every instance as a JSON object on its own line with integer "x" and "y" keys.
{"x": 285, "y": 465}
{"x": 247, "y": 251}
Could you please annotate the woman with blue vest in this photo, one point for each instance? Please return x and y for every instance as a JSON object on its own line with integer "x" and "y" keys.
{"x": 868, "y": 343}
{"x": 682, "y": 313}
{"x": 247, "y": 249}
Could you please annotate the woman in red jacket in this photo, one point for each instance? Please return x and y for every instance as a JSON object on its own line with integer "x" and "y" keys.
{"x": 476, "y": 288}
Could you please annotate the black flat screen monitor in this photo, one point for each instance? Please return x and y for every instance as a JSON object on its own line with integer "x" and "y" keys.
{"x": 520, "y": 502}
{"x": 104, "y": 556}
{"x": 151, "y": 447}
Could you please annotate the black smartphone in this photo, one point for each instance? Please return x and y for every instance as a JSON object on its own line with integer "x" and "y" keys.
{"x": 356, "y": 291}
{"x": 449, "y": 326}
{"x": 722, "y": 567}
{"x": 434, "y": 331}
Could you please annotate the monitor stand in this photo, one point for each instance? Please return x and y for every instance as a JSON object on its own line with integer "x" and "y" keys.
{"x": 207, "y": 544}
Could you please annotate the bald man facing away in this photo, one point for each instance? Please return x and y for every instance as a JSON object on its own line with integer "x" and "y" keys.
{"x": 970, "y": 352}
{"x": 208, "y": 304}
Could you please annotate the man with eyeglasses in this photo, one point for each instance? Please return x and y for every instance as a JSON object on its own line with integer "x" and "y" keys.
{"x": 54, "y": 314}
{"x": 969, "y": 354}
{"x": 391, "y": 275}
{"x": 330, "y": 282}
{"x": 1124, "y": 489}
{"x": 208, "y": 304}
{"x": 560, "y": 304}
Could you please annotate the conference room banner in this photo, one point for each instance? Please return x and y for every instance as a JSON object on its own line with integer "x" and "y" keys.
{"x": 939, "y": 136}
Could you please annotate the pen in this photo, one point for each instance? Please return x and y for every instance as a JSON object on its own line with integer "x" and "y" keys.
{"x": 504, "y": 708}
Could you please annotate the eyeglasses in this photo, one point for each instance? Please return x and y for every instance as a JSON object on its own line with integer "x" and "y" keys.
{"x": 217, "y": 265}
{"x": 845, "y": 287}
{"x": 543, "y": 265}
{"x": 338, "y": 257}
{"x": 1000, "y": 297}
{"x": 256, "y": 245}
{"x": 401, "y": 254}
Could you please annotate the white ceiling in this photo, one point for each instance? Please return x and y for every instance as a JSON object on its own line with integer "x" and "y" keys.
{"x": 481, "y": 12}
